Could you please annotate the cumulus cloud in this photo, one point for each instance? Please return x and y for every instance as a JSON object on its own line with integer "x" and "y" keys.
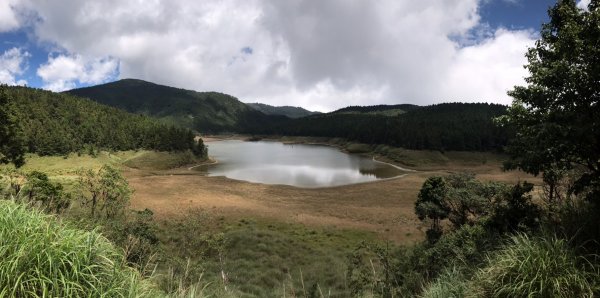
{"x": 63, "y": 71}
{"x": 317, "y": 54}
{"x": 486, "y": 71}
{"x": 13, "y": 63}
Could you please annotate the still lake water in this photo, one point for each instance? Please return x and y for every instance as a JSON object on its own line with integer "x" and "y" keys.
{"x": 307, "y": 166}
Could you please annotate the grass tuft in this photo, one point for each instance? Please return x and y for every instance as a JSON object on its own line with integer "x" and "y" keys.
{"x": 536, "y": 267}
{"x": 41, "y": 257}
{"x": 450, "y": 284}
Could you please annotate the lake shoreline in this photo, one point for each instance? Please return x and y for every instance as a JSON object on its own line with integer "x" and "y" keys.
{"x": 272, "y": 162}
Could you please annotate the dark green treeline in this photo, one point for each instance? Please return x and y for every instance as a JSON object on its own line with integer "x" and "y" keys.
{"x": 56, "y": 123}
{"x": 449, "y": 126}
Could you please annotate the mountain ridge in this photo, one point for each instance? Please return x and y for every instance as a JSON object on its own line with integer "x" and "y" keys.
{"x": 201, "y": 111}
{"x": 289, "y": 111}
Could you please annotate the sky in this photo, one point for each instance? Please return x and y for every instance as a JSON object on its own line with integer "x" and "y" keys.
{"x": 320, "y": 55}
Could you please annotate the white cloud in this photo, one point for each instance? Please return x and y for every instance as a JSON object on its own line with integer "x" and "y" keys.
{"x": 8, "y": 15}
{"x": 486, "y": 71}
{"x": 583, "y": 4}
{"x": 63, "y": 71}
{"x": 13, "y": 63}
{"x": 317, "y": 54}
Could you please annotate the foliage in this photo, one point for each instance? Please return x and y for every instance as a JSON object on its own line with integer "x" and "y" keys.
{"x": 50, "y": 196}
{"x": 515, "y": 211}
{"x": 431, "y": 204}
{"x": 557, "y": 115}
{"x": 42, "y": 258}
{"x": 14, "y": 180}
{"x": 470, "y": 199}
{"x": 106, "y": 193}
{"x": 54, "y": 123}
{"x": 536, "y": 267}
{"x": 11, "y": 139}
{"x": 449, "y": 126}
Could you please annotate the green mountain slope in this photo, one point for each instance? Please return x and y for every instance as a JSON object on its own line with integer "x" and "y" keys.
{"x": 202, "y": 111}
{"x": 56, "y": 123}
{"x": 289, "y": 111}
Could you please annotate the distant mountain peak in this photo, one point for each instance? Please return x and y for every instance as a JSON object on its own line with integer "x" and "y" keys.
{"x": 288, "y": 111}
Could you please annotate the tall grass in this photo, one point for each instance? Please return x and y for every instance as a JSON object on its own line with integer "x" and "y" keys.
{"x": 41, "y": 257}
{"x": 450, "y": 284}
{"x": 536, "y": 267}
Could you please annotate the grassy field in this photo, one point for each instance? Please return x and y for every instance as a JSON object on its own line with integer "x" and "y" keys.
{"x": 261, "y": 240}
{"x": 259, "y": 258}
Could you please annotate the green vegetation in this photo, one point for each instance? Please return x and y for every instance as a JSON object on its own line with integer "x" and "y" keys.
{"x": 11, "y": 141}
{"x": 288, "y": 111}
{"x": 558, "y": 109}
{"x": 485, "y": 239}
{"x": 54, "y": 124}
{"x": 385, "y": 110}
{"x": 549, "y": 247}
{"x": 151, "y": 160}
{"x": 451, "y": 126}
{"x": 44, "y": 258}
{"x": 536, "y": 267}
{"x": 258, "y": 258}
{"x": 201, "y": 111}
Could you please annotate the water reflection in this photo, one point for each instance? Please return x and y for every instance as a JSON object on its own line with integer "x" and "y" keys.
{"x": 296, "y": 165}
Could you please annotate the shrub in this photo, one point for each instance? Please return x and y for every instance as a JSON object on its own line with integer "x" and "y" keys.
{"x": 536, "y": 267}
{"x": 40, "y": 257}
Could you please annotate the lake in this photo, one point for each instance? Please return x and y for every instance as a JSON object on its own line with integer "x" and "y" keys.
{"x": 307, "y": 166}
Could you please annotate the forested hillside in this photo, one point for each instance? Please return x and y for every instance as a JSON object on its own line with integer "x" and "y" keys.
{"x": 202, "y": 111}
{"x": 54, "y": 123}
{"x": 451, "y": 126}
{"x": 289, "y": 111}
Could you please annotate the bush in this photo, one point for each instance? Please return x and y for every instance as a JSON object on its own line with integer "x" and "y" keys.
{"x": 536, "y": 267}
{"x": 42, "y": 257}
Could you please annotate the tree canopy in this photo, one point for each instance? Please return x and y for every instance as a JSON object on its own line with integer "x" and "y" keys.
{"x": 557, "y": 114}
{"x": 54, "y": 123}
{"x": 11, "y": 141}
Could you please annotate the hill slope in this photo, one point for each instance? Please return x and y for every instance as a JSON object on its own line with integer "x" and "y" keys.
{"x": 202, "y": 111}
{"x": 385, "y": 110}
{"x": 289, "y": 111}
{"x": 55, "y": 123}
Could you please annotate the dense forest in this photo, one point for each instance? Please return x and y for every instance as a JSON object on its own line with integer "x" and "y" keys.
{"x": 449, "y": 126}
{"x": 53, "y": 124}
{"x": 205, "y": 112}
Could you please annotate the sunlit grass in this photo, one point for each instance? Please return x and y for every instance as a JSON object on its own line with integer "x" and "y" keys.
{"x": 41, "y": 257}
